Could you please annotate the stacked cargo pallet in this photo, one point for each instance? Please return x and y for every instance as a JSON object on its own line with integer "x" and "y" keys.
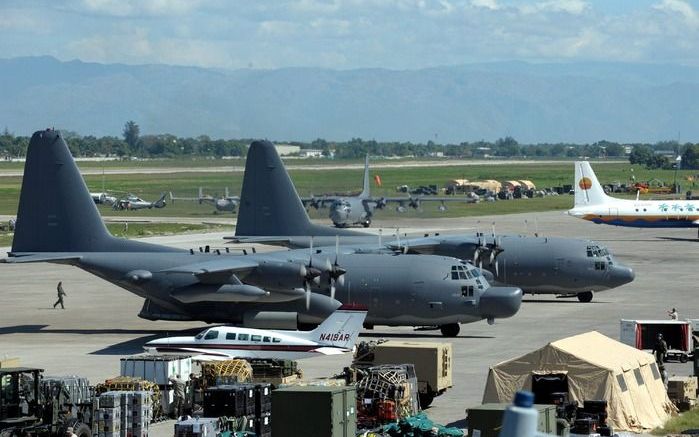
{"x": 109, "y": 414}
{"x": 158, "y": 369}
{"x": 226, "y": 372}
{"x": 131, "y": 409}
{"x": 241, "y": 406}
{"x": 76, "y": 388}
{"x": 682, "y": 391}
{"x": 275, "y": 372}
{"x": 130, "y": 384}
{"x": 387, "y": 393}
{"x": 197, "y": 427}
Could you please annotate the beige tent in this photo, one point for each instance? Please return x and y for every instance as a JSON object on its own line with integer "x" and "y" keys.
{"x": 529, "y": 185}
{"x": 488, "y": 184}
{"x": 597, "y": 367}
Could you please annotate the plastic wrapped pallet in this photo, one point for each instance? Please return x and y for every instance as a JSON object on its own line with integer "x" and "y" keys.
{"x": 396, "y": 383}
{"x": 110, "y": 399}
{"x": 76, "y": 388}
{"x": 157, "y": 368}
{"x": 263, "y": 425}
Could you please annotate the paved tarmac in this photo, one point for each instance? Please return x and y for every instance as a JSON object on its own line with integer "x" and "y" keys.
{"x": 100, "y": 323}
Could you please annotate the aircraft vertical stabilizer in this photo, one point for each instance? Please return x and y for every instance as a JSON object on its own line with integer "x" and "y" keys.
{"x": 56, "y": 212}
{"x": 366, "y": 191}
{"x": 341, "y": 328}
{"x": 269, "y": 203}
{"x": 588, "y": 190}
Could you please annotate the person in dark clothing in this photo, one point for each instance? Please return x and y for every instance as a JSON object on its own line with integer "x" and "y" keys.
{"x": 60, "y": 293}
{"x": 660, "y": 349}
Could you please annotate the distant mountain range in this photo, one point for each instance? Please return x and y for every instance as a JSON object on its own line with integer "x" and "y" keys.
{"x": 574, "y": 102}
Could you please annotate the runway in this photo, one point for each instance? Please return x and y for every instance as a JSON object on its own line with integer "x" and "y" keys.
{"x": 100, "y": 323}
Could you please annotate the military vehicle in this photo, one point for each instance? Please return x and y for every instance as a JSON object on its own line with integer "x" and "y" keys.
{"x": 58, "y": 222}
{"x": 31, "y": 407}
{"x": 271, "y": 212}
{"x": 432, "y": 361}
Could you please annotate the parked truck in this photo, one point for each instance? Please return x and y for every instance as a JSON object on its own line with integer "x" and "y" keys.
{"x": 432, "y": 361}
{"x": 33, "y": 406}
{"x": 643, "y": 334}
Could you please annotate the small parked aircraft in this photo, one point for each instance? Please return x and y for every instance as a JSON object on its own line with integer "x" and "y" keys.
{"x": 336, "y": 335}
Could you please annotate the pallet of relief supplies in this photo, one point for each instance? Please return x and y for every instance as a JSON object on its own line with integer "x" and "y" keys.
{"x": 226, "y": 372}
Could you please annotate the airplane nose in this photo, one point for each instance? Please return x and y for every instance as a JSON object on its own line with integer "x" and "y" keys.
{"x": 500, "y": 302}
{"x": 621, "y": 275}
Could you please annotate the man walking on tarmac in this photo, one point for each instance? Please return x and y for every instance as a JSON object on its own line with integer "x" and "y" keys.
{"x": 60, "y": 293}
{"x": 178, "y": 388}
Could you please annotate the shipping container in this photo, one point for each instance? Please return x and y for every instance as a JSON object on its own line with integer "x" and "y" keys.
{"x": 642, "y": 334}
{"x": 314, "y": 411}
{"x": 157, "y": 368}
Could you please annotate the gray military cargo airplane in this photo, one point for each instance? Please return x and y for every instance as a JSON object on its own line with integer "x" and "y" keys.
{"x": 346, "y": 211}
{"x": 58, "y": 222}
{"x": 225, "y": 203}
{"x": 271, "y": 212}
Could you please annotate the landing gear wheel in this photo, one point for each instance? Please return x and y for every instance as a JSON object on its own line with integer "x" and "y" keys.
{"x": 366, "y": 223}
{"x": 684, "y": 358}
{"x": 450, "y": 330}
{"x": 426, "y": 399}
{"x": 585, "y": 296}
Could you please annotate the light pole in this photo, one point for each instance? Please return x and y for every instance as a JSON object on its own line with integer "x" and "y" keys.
{"x": 678, "y": 164}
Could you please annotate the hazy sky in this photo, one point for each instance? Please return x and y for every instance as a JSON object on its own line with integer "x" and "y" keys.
{"x": 400, "y": 34}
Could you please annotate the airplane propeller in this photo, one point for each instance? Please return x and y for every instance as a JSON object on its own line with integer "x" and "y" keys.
{"x": 310, "y": 274}
{"x": 335, "y": 272}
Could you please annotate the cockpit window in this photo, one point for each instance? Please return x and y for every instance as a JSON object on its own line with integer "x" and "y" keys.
{"x": 597, "y": 251}
{"x": 200, "y": 335}
{"x": 462, "y": 272}
{"x": 211, "y": 335}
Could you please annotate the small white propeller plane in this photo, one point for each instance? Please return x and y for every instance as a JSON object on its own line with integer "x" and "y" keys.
{"x": 336, "y": 335}
{"x": 593, "y": 204}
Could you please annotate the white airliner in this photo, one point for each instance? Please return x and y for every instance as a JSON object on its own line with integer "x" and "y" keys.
{"x": 593, "y": 204}
{"x": 336, "y": 335}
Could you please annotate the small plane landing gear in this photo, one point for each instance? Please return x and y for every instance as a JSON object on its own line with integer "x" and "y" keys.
{"x": 585, "y": 296}
{"x": 450, "y": 330}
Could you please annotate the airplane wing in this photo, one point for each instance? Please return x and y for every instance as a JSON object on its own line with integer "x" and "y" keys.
{"x": 318, "y": 202}
{"x": 275, "y": 241}
{"x": 413, "y": 243}
{"x": 211, "y": 271}
{"x": 18, "y": 258}
{"x": 421, "y": 199}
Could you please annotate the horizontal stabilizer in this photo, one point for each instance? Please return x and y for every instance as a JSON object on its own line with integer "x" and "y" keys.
{"x": 330, "y": 350}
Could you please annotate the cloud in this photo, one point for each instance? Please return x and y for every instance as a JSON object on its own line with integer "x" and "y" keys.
{"x": 135, "y": 8}
{"x": 682, "y": 8}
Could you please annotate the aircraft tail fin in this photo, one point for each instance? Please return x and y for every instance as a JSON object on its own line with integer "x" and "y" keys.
{"x": 160, "y": 202}
{"x": 366, "y": 191}
{"x": 56, "y": 212}
{"x": 341, "y": 328}
{"x": 588, "y": 190}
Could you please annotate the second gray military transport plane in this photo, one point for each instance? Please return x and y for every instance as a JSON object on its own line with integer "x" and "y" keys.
{"x": 271, "y": 212}
{"x": 58, "y": 222}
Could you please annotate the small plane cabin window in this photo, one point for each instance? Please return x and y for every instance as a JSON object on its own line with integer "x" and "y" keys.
{"x": 255, "y": 338}
{"x": 211, "y": 335}
{"x": 266, "y": 339}
{"x": 230, "y": 336}
{"x": 243, "y": 337}
{"x": 276, "y": 340}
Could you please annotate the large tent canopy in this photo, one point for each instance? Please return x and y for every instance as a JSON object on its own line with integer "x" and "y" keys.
{"x": 597, "y": 368}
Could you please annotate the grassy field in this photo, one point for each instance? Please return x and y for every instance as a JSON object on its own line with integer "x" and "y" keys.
{"x": 135, "y": 230}
{"x": 679, "y": 423}
{"x": 330, "y": 181}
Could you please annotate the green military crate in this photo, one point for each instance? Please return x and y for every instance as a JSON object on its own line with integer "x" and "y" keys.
{"x": 314, "y": 411}
{"x": 486, "y": 420}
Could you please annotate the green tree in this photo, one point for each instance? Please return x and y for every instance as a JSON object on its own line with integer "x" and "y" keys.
{"x": 641, "y": 154}
{"x": 132, "y": 135}
{"x": 690, "y": 157}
